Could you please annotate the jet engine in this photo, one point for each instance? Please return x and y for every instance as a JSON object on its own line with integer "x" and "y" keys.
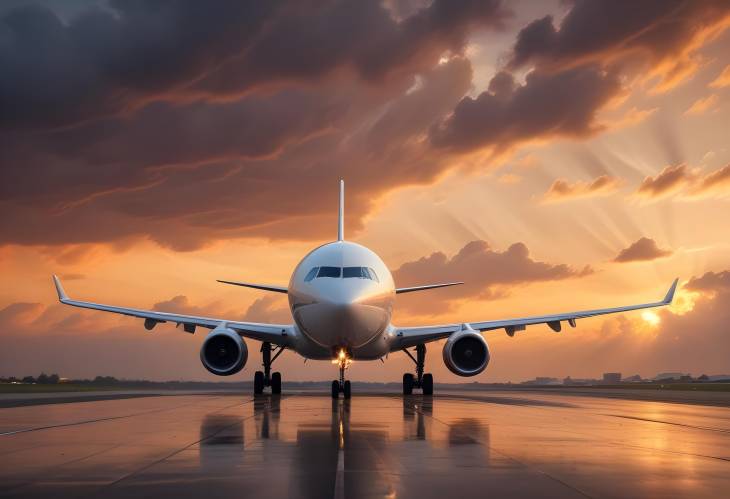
{"x": 223, "y": 352}
{"x": 466, "y": 352}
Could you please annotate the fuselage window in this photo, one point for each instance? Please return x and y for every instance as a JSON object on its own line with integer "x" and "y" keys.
{"x": 329, "y": 272}
{"x": 311, "y": 274}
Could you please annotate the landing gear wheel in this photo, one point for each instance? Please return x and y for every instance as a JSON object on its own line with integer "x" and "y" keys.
{"x": 427, "y": 384}
{"x": 347, "y": 389}
{"x": 258, "y": 383}
{"x": 276, "y": 383}
{"x": 335, "y": 389}
{"x": 407, "y": 384}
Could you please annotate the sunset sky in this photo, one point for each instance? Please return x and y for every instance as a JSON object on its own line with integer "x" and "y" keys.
{"x": 555, "y": 156}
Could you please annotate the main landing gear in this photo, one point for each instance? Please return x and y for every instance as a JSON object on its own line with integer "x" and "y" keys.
{"x": 420, "y": 380}
{"x": 266, "y": 378}
{"x": 342, "y": 385}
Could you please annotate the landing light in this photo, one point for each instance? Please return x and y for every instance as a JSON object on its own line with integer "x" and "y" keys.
{"x": 342, "y": 359}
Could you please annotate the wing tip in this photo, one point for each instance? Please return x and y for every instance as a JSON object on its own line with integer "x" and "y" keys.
{"x": 670, "y": 294}
{"x": 62, "y": 296}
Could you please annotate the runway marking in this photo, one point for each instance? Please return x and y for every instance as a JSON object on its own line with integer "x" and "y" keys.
{"x": 97, "y": 420}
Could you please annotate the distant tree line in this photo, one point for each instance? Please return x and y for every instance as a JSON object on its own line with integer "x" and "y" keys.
{"x": 52, "y": 379}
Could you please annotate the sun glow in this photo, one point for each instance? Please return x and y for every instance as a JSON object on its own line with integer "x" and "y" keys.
{"x": 651, "y": 318}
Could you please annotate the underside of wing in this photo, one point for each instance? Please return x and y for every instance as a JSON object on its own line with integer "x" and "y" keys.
{"x": 278, "y": 334}
{"x": 410, "y": 336}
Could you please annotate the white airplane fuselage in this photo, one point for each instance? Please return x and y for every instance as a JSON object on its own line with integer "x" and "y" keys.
{"x": 337, "y": 305}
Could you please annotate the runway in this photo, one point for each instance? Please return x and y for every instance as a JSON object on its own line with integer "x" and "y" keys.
{"x": 486, "y": 444}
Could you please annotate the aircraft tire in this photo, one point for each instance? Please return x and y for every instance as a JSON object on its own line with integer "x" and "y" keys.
{"x": 335, "y": 389}
{"x": 427, "y": 384}
{"x": 348, "y": 390}
{"x": 276, "y": 383}
{"x": 407, "y": 384}
{"x": 258, "y": 383}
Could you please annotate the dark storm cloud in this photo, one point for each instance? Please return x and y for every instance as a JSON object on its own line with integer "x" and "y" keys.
{"x": 548, "y": 104}
{"x": 644, "y": 249}
{"x": 108, "y": 59}
{"x": 260, "y": 166}
{"x": 602, "y": 30}
{"x": 114, "y": 58}
{"x": 485, "y": 272}
{"x": 303, "y": 43}
{"x": 578, "y": 69}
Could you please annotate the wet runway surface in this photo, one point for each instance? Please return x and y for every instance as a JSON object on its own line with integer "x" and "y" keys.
{"x": 496, "y": 444}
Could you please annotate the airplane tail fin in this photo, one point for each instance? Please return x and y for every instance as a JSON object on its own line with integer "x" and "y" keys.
{"x": 341, "y": 216}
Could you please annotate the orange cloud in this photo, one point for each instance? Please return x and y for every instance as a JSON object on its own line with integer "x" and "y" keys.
{"x": 485, "y": 272}
{"x": 562, "y": 190}
{"x": 645, "y": 249}
{"x": 702, "y": 105}
{"x": 723, "y": 79}
{"x": 691, "y": 185}
{"x": 670, "y": 179}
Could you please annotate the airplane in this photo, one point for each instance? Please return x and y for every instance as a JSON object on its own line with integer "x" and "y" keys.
{"x": 341, "y": 297}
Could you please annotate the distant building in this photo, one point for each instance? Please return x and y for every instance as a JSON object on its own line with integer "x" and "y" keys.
{"x": 669, "y": 376}
{"x": 633, "y": 379}
{"x": 611, "y": 378}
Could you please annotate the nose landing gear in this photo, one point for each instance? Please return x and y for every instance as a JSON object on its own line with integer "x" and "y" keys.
{"x": 343, "y": 385}
{"x": 420, "y": 380}
{"x": 266, "y": 378}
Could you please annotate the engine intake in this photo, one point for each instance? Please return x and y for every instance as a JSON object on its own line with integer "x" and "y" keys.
{"x": 466, "y": 352}
{"x": 223, "y": 352}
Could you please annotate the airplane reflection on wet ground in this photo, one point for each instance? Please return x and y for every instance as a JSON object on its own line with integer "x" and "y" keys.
{"x": 304, "y": 445}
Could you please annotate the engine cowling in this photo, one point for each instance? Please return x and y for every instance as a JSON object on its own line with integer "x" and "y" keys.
{"x": 466, "y": 352}
{"x": 223, "y": 352}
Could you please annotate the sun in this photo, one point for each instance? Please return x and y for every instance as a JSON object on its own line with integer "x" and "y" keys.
{"x": 651, "y": 318}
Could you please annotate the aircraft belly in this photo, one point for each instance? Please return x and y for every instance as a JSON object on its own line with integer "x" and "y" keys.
{"x": 351, "y": 326}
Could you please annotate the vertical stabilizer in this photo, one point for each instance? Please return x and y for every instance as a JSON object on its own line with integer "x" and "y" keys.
{"x": 341, "y": 215}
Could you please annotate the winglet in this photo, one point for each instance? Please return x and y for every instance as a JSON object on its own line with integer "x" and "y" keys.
{"x": 341, "y": 215}
{"x": 62, "y": 296}
{"x": 670, "y": 294}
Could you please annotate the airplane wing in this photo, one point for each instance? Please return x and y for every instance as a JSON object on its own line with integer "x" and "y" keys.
{"x": 411, "y": 336}
{"x": 278, "y": 334}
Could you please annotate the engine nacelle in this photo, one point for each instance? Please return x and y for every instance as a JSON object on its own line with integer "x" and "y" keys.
{"x": 466, "y": 352}
{"x": 223, "y": 352}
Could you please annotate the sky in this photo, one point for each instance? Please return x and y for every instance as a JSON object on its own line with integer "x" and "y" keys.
{"x": 554, "y": 155}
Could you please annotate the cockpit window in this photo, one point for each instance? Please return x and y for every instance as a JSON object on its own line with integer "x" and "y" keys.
{"x": 311, "y": 274}
{"x": 359, "y": 272}
{"x": 329, "y": 272}
{"x": 373, "y": 275}
{"x": 346, "y": 272}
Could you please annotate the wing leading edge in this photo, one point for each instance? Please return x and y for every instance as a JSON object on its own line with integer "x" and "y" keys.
{"x": 410, "y": 336}
{"x": 279, "y": 334}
